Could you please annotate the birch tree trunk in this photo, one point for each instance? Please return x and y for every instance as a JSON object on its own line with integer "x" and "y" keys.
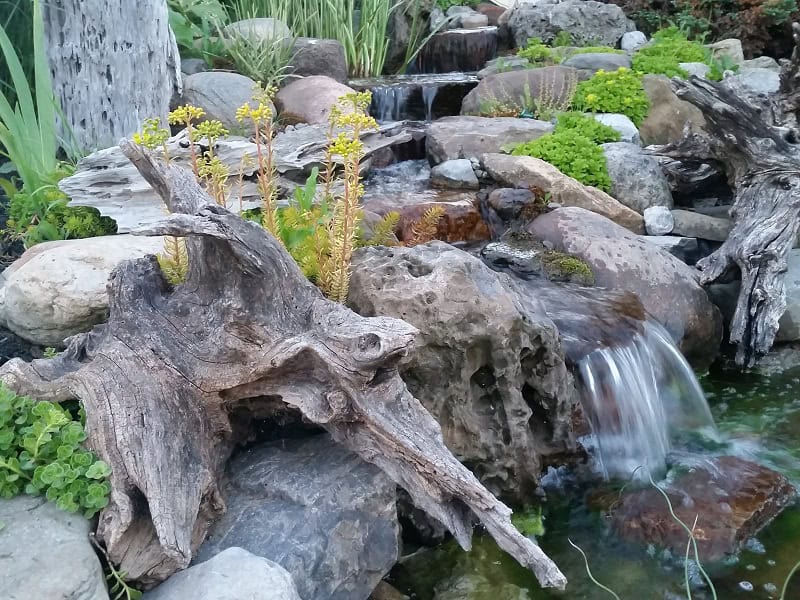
{"x": 114, "y": 63}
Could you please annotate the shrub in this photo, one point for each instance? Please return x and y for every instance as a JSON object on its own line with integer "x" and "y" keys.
{"x": 572, "y": 154}
{"x": 586, "y": 126}
{"x": 670, "y": 47}
{"x": 536, "y": 52}
{"x": 617, "y": 91}
{"x": 41, "y": 454}
{"x": 195, "y": 24}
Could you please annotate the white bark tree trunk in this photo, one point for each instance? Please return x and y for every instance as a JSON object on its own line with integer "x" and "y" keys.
{"x": 114, "y": 63}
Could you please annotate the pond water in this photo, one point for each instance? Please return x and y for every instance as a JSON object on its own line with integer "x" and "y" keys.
{"x": 758, "y": 417}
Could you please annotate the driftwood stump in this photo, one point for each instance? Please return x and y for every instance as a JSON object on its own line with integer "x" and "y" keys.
{"x": 161, "y": 377}
{"x": 746, "y": 137}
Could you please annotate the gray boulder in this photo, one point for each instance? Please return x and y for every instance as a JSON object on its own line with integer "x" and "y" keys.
{"x": 632, "y": 41}
{"x": 762, "y": 62}
{"x": 45, "y": 553}
{"x": 456, "y": 174}
{"x": 470, "y": 137}
{"x": 658, "y": 220}
{"x": 730, "y": 49}
{"x": 623, "y": 124}
{"x": 319, "y": 57}
{"x": 504, "y": 64}
{"x": 233, "y": 574}
{"x": 594, "y": 61}
{"x": 695, "y": 68}
{"x": 259, "y": 30}
{"x": 637, "y": 180}
{"x": 587, "y": 21}
{"x": 219, "y": 94}
{"x": 683, "y": 248}
{"x": 190, "y": 66}
{"x": 756, "y": 81}
{"x": 317, "y": 510}
{"x": 474, "y": 21}
{"x": 488, "y": 363}
{"x": 620, "y": 260}
{"x": 697, "y": 225}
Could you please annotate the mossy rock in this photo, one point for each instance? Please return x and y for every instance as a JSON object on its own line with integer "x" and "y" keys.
{"x": 564, "y": 267}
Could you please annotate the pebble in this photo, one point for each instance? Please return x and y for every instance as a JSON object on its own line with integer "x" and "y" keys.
{"x": 746, "y": 586}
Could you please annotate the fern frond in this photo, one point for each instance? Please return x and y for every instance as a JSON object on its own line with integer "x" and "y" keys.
{"x": 427, "y": 227}
{"x": 383, "y": 233}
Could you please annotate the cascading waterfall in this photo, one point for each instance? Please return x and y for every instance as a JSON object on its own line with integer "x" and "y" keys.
{"x": 389, "y": 102}
{"x": 428, "y": 96}
{"x": 637, "y": 398}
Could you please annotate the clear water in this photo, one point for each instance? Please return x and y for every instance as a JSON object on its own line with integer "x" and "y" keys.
{"x": 757, "y": 416}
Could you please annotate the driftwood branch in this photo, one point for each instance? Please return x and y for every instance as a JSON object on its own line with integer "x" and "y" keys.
{"x": 161, "y": 377}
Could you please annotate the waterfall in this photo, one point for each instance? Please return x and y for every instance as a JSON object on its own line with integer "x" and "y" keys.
{"x": 428, "y": 96}
{"x": 637, "y": 398}
{"x": 389, "y": 102}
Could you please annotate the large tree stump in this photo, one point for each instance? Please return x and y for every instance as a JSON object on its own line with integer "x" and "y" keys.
{"x": 161, "y": 377}
{"x": 761, "y": 159}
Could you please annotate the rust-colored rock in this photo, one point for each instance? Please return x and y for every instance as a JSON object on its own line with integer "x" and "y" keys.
{"x": 732, "y": 499}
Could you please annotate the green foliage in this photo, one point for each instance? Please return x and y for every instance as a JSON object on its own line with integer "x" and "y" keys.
{"x": 41, "y": 454}
{"x": 261, "y": 59}
{"x": 529, "y": 522}
{"x": 572, "y": 154}
{"x": 536, "y": 52}
{"x": 445, "y": 4}
{"x": 720, "y": 64}
{"x": 383, "y": 231}
{"x": 195, "y": 23}
{"x": 586, "y": 126}
{"x": 670, "y": 47}
{"x": 564, "y": 267}
{"x": 596, "y": 50}
{"x": 562, "y": 39}
{"x": 16, "y": 17}
{"x": 617, "y": 91}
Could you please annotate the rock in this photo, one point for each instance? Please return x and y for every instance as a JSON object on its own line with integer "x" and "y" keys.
{"x": 695, "y": 68}
{"x": 503, "y": 65}
{"x": 761, "y": 62}
{"x": 594, "y": 61}
{"x": 526, "y": 171}
{"x": 474, "y": 21}
{"x": 455, "y": 174}
{"x": 487, "y": 363}
{"x": 310, "y": 99}
{"x": 683, "y": 248}
{"x": 233, "y": 574}
{"x": 789, "y": 324}
{"x": 637, "y": 180}
{"x": 259, "y": 30}
{"x": 462, "y": 50}
{"x": 731, "y": 498}
{"x": 192, "y": 66}
{"x": 632, "y": 41}
{"x": 667, "y": 288}
{"x": 588, "y": 22}
{"x": 319, "y": 57}
{"x": 219, "y": 94}
{"x": 621, "y": 123}
{"x": 467, "y": 137}
{"x": 45, "y": 553}
{"x": 492, "y": 12}
{"x": 658, "y": 220}
{"x": 58, "y": 289}
{"x": 455, "y": 13}
{"x": 668, "y": 115}
{"x": 317, "y": 510}
{"x": 756, "y": 81}
{"x": 515, "y": 91}
{"x": 730, "y": 49}
{"x": 508, "y": 203}
{"x": 697, "y": 225}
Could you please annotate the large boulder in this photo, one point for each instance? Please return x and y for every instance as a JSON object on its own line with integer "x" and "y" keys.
{"x": 529, "y": 172}
{"x": 488, "y": 363}
{"x": 310, "y": 99}
{"x": 58, "y": 289}
{"x": 455, "y": 174}
{"x": 622, "y": 124}
{"x": 588, "y": 22}
{"x": 233, "y": 574}
{"x": 45, "y": 553}
{"x": 317, "y": 510}
{"x": 668, "y": 115}
{"x": 470, "y": 137}
{"x": 667, "y": 287}
{"x": 636, "y": 178}
{"x": 515, "y": 91}
{"x": 319, "y": 57}
{"x": 595, "y": 61}
{"x": 219, "y": 94}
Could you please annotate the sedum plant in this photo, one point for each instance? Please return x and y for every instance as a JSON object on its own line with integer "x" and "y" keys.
{"x": 41, "y": 454}
{"x": 586, "y": 126}
{"x": 619, "y": 91}
{"x": 537, "y": 53}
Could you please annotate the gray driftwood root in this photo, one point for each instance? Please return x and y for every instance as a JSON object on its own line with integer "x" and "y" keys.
{"x": 160, "y": 379}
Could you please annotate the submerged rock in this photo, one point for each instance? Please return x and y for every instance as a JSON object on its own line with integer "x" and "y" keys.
{"x": 317, "y": 510}
{"x": 233, "y": 574}
{"x": 45, "y": 553}
{"x": 732, "y": 499}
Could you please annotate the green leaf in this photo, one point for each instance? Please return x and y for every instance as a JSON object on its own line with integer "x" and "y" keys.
{"x": 98, "y": 470}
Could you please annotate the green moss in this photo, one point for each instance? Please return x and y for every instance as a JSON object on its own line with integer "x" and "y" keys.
{"x": 619, "y": 91}
{"x": 564, "y": 267}
{"x": 587, "y": 126}
{"x": 529, "y": 522}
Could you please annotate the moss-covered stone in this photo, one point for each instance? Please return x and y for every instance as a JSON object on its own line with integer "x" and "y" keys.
{"x": 564, "y": 267}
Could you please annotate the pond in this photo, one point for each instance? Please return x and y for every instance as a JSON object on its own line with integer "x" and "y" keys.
{"x": 758, "y": 416}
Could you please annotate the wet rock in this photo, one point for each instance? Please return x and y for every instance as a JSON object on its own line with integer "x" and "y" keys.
{"x": 503, "y": 65}
{"x": 697, "y": 225}
{"x": 455, "y": 174}
{"x": 259, "y": 30}
{"x": 620, "y": 260}
{"x": 658, "y": 220}
{"x": 732, "y": 499}
{"x": 683, "y": 248}
{"x": 632, "y": 41}
{"x": 233, "y": 574}
{"x": 730, "y": 49}
{"x": 529, "y": 172}
{"x": 310, "y": 99}
{"x": 319, "y": 57}
{"x": 317, "y": 510}
{"x": 463, "y": 50}
{"x": 191, "y": 66}
{"x": 512, "y": 92}
{"x": 45, "y": 553}
{"x": 637, "y": 180}
{"x": 488, "y": 362}
{"x": 588, "y": 22}
{"x": 219, "y": 94}
{"x": 621, "y": 123}
{"x": 467, "y": 137}
{"x": 527, "y": 256}
{"x": 594, "y": 61}
{"x": 58, "y": 289}
{"x": 668, "y": 115}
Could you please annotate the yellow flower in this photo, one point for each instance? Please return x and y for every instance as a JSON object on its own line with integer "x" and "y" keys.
{"x": 184, "y": 115}
{"x": 591, "y": 98}
{"x": 152, "y": 135}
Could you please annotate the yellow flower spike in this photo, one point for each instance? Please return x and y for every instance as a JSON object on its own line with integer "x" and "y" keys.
{"x": 211, "y": 130}
{"x": 183, "y": 115}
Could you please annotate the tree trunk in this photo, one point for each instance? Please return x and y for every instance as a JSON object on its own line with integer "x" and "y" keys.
{"x": 114, "y": 63}
{"x": 161, "y": 378}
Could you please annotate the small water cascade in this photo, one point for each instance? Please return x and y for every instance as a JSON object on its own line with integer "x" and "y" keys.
{"x": 637, "y": 398}
{"x": 428, "y": 96}
{"x": 389, "y": 102}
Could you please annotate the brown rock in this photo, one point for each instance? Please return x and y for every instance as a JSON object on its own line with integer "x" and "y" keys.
{"x": 319, "y": 57}
{"x": 492, "y": 11}
{"x": 731, "y": 498}
{"x": 309, "y": 100}
{"x": 668, "y": 115}
{"x": 528, "y": 172}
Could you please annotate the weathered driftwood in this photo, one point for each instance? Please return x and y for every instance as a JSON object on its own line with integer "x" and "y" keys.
{"x": 762, "y": 162}
{"x": 161, "y": 377}
{"x": 110, "y": 73}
